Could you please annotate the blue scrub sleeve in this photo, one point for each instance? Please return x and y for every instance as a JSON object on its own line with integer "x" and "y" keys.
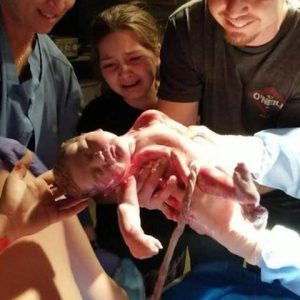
{"x": 12, "y": 151}
{"x": 281, "y": 162}
{"x": 281, "y": 259}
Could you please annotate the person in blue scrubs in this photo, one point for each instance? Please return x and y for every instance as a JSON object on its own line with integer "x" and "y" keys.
{"x": 275, "y": 155}
{"x": 40, "y": 97}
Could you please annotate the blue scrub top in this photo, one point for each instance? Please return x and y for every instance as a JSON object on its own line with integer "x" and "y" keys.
{"x": 46, "y": 106}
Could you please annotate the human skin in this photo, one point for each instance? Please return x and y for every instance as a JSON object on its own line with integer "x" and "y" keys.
{"x": 129, "y": 68}
{"x": 28, "y": 205}
{"x": 250, "y": 22}
{"x": 100, "y": 162}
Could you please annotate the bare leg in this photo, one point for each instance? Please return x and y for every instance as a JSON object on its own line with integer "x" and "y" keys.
{"x": 248, "y": 197}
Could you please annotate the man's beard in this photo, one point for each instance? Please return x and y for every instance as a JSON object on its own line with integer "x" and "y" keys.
{"x": 239, "y": 39}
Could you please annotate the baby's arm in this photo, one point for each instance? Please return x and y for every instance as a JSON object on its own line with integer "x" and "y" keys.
{"x": 153, "y": 116}
{"x": 140, "y": 245}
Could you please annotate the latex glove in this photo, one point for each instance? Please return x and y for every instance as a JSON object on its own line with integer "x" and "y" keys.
{"x": 227, "y": 209}
{"x": 223, "y": 219}
{"x": 12, "y": 151}
{"x": 228, "y": 150}
{"x": 29, "y": 204}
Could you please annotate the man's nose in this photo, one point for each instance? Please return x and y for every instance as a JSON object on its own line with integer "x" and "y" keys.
{"x": 237, "y": 8}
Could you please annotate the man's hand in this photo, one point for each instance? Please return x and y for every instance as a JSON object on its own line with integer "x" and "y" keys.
{"x": 30, "y": 204}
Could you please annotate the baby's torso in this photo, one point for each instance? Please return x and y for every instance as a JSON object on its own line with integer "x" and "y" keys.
{"x": 159, "y": 140}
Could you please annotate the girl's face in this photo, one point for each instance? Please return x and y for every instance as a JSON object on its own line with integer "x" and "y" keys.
{"x": 249, "y": 22}
{"x": 129, "y": 68}
{"x": 38, "y": 16}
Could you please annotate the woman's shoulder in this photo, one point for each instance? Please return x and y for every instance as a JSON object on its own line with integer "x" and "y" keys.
{"x": 109, "y": 112}
{"x": 106, "y": 101}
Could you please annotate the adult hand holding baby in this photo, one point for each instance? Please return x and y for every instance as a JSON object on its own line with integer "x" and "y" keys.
{"x": 29, "y": 204}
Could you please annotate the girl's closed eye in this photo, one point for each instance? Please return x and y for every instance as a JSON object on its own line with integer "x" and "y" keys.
{"x": 135, "y": 59}
{"x": 108, "y": 66}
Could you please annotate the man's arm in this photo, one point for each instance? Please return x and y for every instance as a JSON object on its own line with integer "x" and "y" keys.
{"x": 184, "y": 113}
{"x": 181, "y": 85}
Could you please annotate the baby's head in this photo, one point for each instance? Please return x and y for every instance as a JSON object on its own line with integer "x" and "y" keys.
{"x": 92, "y": 163}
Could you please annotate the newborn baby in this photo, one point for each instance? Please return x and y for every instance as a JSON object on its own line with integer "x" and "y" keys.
{"x": 100, "y": 162}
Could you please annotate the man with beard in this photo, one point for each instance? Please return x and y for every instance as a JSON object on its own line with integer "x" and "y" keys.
{"x": 236, "y": 69}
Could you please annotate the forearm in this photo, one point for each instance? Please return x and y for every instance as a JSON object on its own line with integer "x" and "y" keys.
{"x": 88, "y": 273}
{"x": 3, "y": 218}
{"x": 3, "y": 225}
{"x": 272, "y": 156}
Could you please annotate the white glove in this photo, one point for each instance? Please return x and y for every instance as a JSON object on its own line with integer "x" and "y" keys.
{"x": 222, "y": 219}
{"x": 228, "y": 150}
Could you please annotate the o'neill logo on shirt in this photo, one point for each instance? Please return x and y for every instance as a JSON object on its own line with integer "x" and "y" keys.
{"x": 268, "y": 100}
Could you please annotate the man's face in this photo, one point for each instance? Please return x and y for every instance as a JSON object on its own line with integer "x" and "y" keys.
{"x": 39, "y": 16}
{"x": 249, "y": 22}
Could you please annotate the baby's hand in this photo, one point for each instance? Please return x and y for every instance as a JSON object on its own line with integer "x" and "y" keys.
{"x": 140, "y": 244}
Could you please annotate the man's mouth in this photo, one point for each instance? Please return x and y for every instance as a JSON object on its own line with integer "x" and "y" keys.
{"x": 238, "y": 24}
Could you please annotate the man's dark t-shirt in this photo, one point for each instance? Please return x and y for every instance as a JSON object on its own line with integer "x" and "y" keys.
{"x": 240, "y": 90}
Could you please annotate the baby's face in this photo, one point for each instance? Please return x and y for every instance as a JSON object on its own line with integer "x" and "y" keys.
{"x": 98, "y": 161}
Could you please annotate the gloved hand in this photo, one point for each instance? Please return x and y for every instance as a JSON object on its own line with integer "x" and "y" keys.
{"x": 12, "y": 151}
{"x": 227, "y": 151}
{"x": 223, "y": 219}
{"x": 227, "y": 209}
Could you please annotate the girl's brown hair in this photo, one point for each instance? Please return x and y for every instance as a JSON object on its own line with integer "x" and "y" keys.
{"x": 130, "y": 16}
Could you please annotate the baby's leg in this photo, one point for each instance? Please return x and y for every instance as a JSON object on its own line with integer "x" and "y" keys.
{"x": 248, "y": 197}
{"x": 140, "y": 245}
{"x": 240, "y": 187}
